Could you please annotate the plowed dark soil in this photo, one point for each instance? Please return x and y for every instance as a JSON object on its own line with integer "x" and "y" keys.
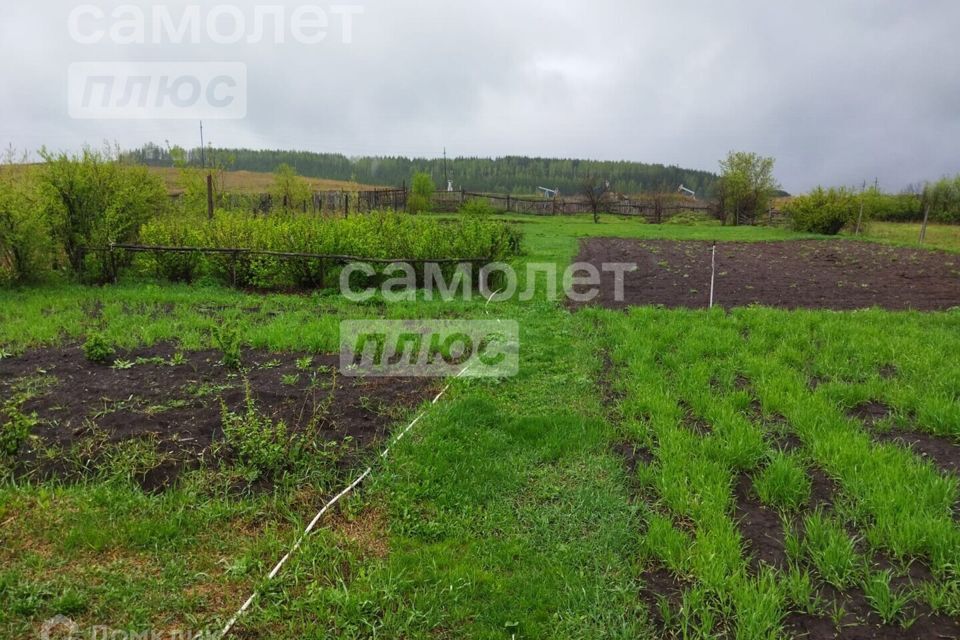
{"x": 178, "y": 406}
{"x": 813, "y": 274}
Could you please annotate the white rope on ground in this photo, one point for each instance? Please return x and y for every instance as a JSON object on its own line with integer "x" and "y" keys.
{"x": 713, "y": 272}
{"x": 333, "y": 501}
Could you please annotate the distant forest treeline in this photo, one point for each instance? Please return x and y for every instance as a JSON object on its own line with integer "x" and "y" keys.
{"x": 511, "y": 174}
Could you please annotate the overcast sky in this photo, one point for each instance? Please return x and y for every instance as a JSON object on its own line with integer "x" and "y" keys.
{"x": 838, "y": 92}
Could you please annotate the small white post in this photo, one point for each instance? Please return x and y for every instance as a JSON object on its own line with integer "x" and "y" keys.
{"x": 713, "y": 272}
{"x": 923, "y": 227}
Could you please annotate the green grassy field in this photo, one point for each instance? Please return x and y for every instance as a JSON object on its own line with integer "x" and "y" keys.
{"x": 510, "y": 511}
{"x": 939, "y": 236}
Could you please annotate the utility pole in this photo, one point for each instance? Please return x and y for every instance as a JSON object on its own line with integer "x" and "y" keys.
{"x": 203, "y": 163}
{"x": 445, "y": 180}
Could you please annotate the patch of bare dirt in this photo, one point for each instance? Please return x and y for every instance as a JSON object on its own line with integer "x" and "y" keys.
{"x": 860, "y": 622}
{"x": 870, "y": 413}
{"x": 633, "y": 455}
{"x": 366, "y": 531}
{"x": 175, "y": 404}
{"x": 760, "y": 526}
{"x": 942, "y": 452}
{"x": 811, "y": 274}
{"x": 660, "y": 587}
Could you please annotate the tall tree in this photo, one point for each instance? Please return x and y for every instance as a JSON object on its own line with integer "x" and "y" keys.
{"x": 746, "y": 186}
{"x": 596, "y": 191}
{"x": 290, "y": 191}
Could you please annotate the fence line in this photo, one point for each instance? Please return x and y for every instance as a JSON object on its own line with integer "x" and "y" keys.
{"x": 334, "y": 202}
{"x": 655, "y": 210}
{"x": 341, "y": 202}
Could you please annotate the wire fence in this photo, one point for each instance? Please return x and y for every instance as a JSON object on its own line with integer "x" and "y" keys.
{"x": 655, "y": 208}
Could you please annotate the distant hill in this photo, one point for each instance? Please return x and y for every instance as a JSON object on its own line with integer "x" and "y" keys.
{"x": 510, "y": 174}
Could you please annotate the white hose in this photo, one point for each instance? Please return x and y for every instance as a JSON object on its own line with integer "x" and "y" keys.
{"x": 316, "y": 519}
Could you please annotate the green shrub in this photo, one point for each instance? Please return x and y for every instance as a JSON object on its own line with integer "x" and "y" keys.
{"x": 255, "y": 439}
{"x": 421, "y": 192}
{"x": 380, "y": 234}
{"x": 26, "y": 249}
{"x": 173, "y": 231}
{"x": 98, "y": 349}
{"x": 290, "y": 191}
{"x": 943, "y": 199}
{"x": 15, "y": 427}
{"x": 93, "y": 201}
{"x": 512, "y": 240}
{"x": 823, "y": 211}
{"x": 901, "y": 207}
{"x": 479, "y": 207}
{"x": 226, "y": 336}
{"x": 746, "y": 186}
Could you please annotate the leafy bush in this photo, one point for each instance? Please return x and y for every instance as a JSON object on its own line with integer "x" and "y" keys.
{"x": 15, "y": 427}
{"x": 421, "y": 192}
{"x": 479, "y": 207}
{"x": 92, "y": 201}
{"x": 173, "y": 231}
{"x": 943, "y": 198}
{"x": 386, "y": 234}
{"x": 290, "y": 191}
{"x": 823, "y": 211}
{"x": 26, "y": 249}
{"x": 255, "y": 439}
{"x": 227, "y": 338}
{"x": 97, "y": 349}
{"x": 512, "y": 239}
{"x": 746, "y": 186}
{"x": 902, "y": 207}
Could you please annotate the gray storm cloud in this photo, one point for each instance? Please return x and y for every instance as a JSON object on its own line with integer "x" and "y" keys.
{"x": 839, "y": 92}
